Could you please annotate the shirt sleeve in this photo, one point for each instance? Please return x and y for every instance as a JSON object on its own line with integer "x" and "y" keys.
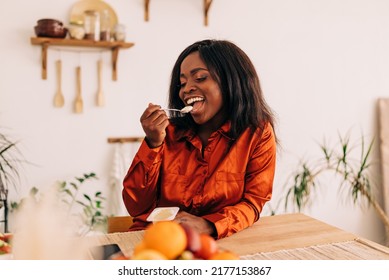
{"x": 258, "y": 189}
{"x": 140, "y": 184}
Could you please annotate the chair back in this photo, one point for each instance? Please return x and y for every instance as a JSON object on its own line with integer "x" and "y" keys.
{"x": 119, "y": 224}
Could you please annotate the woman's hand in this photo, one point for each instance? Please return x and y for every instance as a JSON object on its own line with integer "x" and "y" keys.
{"x": 154, "y": 122}
{"x": 199, "y": 224}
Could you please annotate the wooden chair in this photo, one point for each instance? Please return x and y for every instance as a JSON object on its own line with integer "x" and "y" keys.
{"x": 119, "y": 223}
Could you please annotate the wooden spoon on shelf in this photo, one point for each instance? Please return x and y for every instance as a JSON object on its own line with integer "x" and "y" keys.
{"x": 100, "y": 97}
{"x": 78, "y": 104}
{"x": 59, "y": 100}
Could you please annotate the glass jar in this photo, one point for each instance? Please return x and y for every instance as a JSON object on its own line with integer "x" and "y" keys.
{"x": 76, "y": 31}
{"x": 105, "y": 26}
{"x": 92, "y": 25}
{"x": 120, "y": 32}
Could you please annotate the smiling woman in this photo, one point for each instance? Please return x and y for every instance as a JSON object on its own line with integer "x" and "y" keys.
{"x": 217, "y": 162}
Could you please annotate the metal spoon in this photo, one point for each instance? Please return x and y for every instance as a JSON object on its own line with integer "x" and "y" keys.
{"x": 184, "y": 110}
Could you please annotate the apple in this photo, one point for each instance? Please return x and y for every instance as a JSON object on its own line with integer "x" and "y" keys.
{"x": 6, "y": 237}
{"x": 208, "y": 247}
{"x": 193, "y": 238}
{"x": 118, "y": 256}
{"x": 5, "y": 248}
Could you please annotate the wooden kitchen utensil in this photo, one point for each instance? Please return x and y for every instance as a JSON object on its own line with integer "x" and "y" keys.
{"x": 78, "y": 104}
{"x": 59, "y": 100}
{"x": 100, "y": 97}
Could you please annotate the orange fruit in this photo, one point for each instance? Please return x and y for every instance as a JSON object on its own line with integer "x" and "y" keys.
{"x": 224, "y": 255}
{"x": 148, "y": 254}
{"x": 208, "y": 247}
{"x": 139, "y": 247}
{"x": 166, "y": 237}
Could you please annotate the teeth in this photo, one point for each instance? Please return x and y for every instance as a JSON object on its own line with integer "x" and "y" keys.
{"x": 194, "y": 99}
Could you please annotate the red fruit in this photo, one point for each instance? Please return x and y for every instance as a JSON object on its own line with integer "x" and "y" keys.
{"x": 193, "y": 238}
{"x": 208, "y": 247}
{"x": 118, "y": 256}
{"x": 6, "y": 237}
{"x": 5, "y": 248}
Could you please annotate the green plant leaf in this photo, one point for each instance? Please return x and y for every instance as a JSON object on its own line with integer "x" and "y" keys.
{"x": 354, "y": 174}
{"x": 74, "y": 186}
{"x": 70, "y": 194}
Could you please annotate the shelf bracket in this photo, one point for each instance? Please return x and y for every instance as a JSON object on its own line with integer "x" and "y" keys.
{"x": 207, "y": 5}
{"x": 44, "y": 61}
{"x": 115, "y": 55}
{"x": 147, "y": 2}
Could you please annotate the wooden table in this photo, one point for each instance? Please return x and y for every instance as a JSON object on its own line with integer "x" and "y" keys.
{"x": 284, "y": 237}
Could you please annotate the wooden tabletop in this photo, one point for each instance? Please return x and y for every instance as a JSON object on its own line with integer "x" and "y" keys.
{"x": 289, "y": 236}
{"x": 282, "y": 232}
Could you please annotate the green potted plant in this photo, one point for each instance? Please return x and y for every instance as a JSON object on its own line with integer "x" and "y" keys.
{"x": 86, "y": 210}
{"x": 354, "y": 175}
{"x": 10, "y": 160}
{"x": 92, "y": 206}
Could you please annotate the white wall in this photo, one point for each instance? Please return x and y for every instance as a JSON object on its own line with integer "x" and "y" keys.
{"x": 322, "y": 64}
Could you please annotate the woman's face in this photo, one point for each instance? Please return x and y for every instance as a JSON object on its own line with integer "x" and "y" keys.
{"x": 200, "y": 90}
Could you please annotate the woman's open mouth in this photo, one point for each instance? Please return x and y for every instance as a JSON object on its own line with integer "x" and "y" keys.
{"x": 196, "y": 102}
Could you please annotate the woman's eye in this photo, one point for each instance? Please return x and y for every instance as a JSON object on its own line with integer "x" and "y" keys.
{"x": 200, "y": 79}
{"x": 182, "y": 85}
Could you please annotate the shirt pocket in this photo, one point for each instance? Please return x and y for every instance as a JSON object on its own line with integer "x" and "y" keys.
{"x": 229, "y": 187}
{"x": 173, "y": 187}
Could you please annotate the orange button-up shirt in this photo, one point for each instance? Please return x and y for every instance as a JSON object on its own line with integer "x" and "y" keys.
{"x": 227, "y": 182}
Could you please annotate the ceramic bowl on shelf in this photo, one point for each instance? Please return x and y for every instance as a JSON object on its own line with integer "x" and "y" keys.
{"x": 52, "y": 32}
{"x": 49, "y": 22}
{"x": 50, "y": 28}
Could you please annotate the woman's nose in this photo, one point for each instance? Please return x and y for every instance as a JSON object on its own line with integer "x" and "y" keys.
{"x": 189, "y": 88}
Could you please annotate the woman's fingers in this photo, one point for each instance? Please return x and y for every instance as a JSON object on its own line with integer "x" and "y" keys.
{"x": 198, "y": 223}
{"x": 150, "y": 110}
{"x": 154, "y": 122}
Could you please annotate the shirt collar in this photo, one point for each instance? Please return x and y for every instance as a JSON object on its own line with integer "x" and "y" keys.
{"x": 190, "y": 133}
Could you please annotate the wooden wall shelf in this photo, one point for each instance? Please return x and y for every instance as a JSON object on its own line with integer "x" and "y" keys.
{"x": 206, "y": 6}
{"x": 113, "y": 46}
{"x": 113, "y": 140}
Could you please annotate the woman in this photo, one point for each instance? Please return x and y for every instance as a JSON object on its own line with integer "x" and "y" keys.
{"x": 216, "y": 163}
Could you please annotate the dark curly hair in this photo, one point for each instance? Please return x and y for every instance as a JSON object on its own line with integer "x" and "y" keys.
{"x": 237, "y": 78}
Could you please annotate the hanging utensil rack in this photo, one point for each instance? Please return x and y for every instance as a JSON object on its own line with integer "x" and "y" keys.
{"x": 45, "y": 43}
